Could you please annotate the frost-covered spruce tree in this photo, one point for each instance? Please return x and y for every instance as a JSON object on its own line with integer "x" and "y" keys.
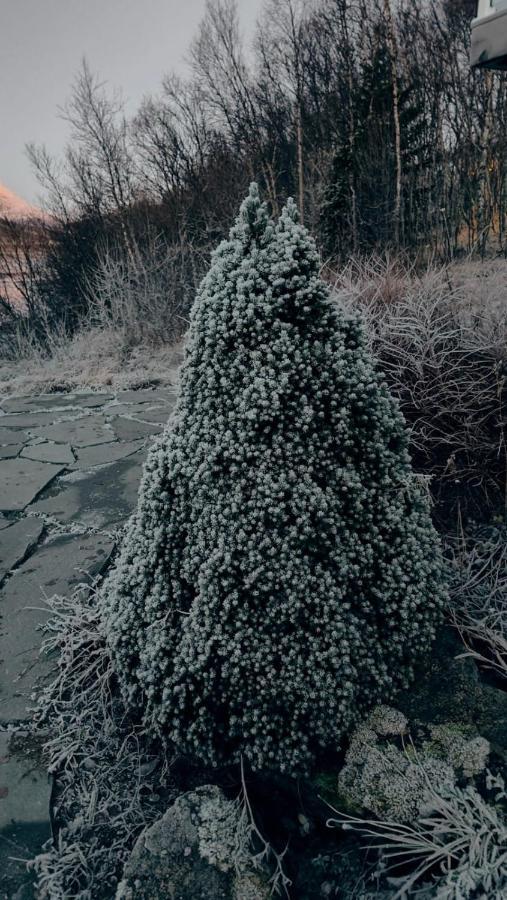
{"x": 281, "y": 573}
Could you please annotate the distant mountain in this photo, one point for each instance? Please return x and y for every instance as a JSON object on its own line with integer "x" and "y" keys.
{"x": 21, "y": 239}
{"x": 14, "y": 207}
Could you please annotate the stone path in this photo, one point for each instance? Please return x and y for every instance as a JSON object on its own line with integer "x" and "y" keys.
{"x": 70, "y": 466}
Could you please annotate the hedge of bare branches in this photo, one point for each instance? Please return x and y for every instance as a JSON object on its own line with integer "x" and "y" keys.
{"x": 441, "y": 340}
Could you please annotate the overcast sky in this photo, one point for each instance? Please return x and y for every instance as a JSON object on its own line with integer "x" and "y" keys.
{"x": 129, "y": 43}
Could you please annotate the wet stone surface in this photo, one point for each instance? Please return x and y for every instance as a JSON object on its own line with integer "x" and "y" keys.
{"x": 21, "y": 480}
{"x": 54, "y": 453}
{"x": 9, "y": 436}
{"x": 130, "y": 429}
{"x": 57, "y": 565}
{"x": 101, "y": 499}
{"x": 70, "y": 467}
{"x": 24, "y": 811}
{"x": 9, "y": 451}
{"x": 83, "y": 431}
{"x": 89, "y": 457}
{"x": 17, "y": 541}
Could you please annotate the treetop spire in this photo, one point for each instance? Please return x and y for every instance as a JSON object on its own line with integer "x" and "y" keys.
{"x": 253, "y": 218}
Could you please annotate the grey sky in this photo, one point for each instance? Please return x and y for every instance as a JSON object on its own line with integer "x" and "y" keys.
{"x": 129, "y": 43}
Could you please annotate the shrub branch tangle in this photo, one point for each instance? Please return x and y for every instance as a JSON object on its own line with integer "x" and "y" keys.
{"x": 281, "y": 571}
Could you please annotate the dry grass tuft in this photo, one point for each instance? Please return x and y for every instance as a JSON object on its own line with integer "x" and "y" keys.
{"x": 111, "y": 781}
{"x": 456, "y": 848}
{"x": 93, "y": 358}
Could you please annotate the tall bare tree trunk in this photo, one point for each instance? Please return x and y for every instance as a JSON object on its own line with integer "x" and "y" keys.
{"x": 344, "y": 12}
{"x": 393, "y": 55}
{"x": 300, "y": 161}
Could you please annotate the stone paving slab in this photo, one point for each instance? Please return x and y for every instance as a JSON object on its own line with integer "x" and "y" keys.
{"x": 22, "y": 480}
{"x": 10, "y": 436}
{"x": 24, "y": 788}
{"x": 146, "y": 395}
{"x": 83, "y": 432}
{"x": 131, "y": 429}
{"x": 16, "y": 541}
{"x": 159, "y": 415}
{"x": 53, "y": 453}
{"x": 28, "y": 420}
{"x": 100, "y": 499}
{"x": 137, "y": 410}
{"x": 55, "y": 401}
{"x": 10, "y": 451}
{"x": 55, "y": 567}
{"x": 25, "y": 792}
{"x": 87, "y": 457}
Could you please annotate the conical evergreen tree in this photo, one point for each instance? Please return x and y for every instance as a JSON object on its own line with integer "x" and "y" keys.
{"x": 281, "y": 572}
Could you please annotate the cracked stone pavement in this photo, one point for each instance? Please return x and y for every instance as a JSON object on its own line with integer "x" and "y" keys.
{"x": 70, "y": 466}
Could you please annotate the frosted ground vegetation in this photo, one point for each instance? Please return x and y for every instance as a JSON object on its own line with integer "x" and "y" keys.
{"x": 387, "y": 774}
{"x": 281, "y": 573}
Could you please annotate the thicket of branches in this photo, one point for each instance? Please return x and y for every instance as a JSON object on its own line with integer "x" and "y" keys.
{"x": 365, "y": 110}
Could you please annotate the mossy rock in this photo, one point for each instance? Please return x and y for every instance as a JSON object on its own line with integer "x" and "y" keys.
{"x": 190, "y": 853}
{"x": 449, "y": 689}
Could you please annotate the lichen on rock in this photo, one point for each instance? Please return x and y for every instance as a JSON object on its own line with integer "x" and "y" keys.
{"x": 392, "y": 779}
{"x": 195, "y": 850}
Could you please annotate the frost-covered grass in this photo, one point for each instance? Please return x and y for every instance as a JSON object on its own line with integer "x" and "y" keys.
{"x": 479, "y": 596}
{"x": 93, "y": 358}
{"x": 110, "y": 780}
{"x": 456, "y": 849}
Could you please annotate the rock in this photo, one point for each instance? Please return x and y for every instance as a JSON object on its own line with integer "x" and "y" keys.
{"x": 86, "y": 431}
{"x": 102, "y": 498}
{"x": 24, "y": 812}
{"x": 190, "y": 854}
{"x": 28, "y": 420}
{"x": 54, "y": 568}
{"x": 88, "y": 457}
{"x": 10, "y": 436}
{"x": 159, "y": 415}
{"x": 143, "y": 412}
{"x": 54, "y": 453}
{"x": 24, "y": 788}
{"x": 22, "y": 480}
{"x": 126, "y": 409}
{"x": 10, "y": 451}
{"x": 383, "y": 778}
{"x": 4, "y": 523}
{"x": 55, "y": 401}
{"x": 17, "y": 541}
{"x": 150, "y": 395}
{"x": 130, "y": 429}
{"x": 447, "y": 689}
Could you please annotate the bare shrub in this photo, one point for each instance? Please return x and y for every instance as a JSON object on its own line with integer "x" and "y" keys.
{"x": 145, "y": 292}
{"x": 441, "y": 339}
